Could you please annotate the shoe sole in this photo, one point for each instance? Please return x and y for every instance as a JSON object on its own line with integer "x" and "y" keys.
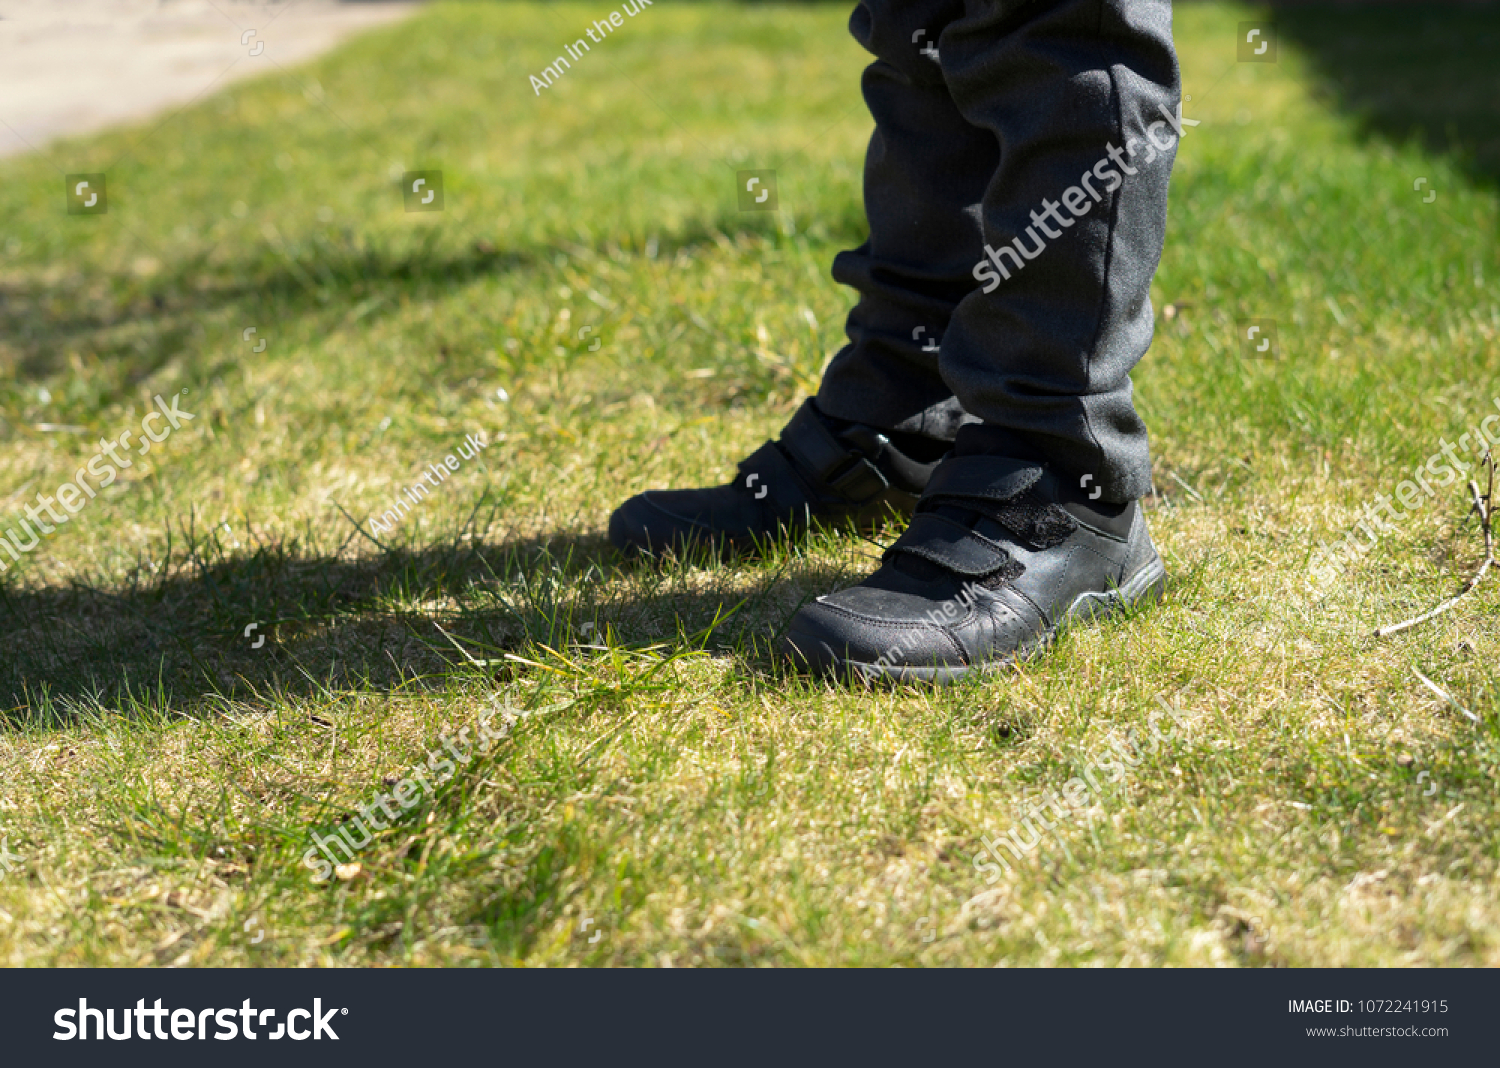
{"x": 1144, "y": 587}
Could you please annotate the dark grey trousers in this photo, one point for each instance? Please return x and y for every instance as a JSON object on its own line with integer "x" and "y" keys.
{"x": 1045, "y": 126}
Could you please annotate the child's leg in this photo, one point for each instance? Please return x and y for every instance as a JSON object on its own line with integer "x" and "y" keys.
{"x": 1074, "y": 91}
{"x": 1024, "y": 100}
{"x": 1006, "y": 544}
{"x": 925, "y": 174}
{"x": 883, "y": 415}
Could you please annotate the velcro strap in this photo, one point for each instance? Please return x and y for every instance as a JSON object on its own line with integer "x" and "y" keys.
{"x": 987, "y": 478}
{"x": 951, "y": 545}
{"x": 813, "y": 445}
{"x": 1042, "y": 526}
{"x": 862, "y": 482}
{"x": 828, "y": 462}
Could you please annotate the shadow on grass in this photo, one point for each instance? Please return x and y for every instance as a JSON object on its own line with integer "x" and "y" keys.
{"x": 139, "y": 325}
{"x": 1423, "y": 73}
{"x": 277, "y": 623}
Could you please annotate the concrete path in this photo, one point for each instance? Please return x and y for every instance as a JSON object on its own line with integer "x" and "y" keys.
{"x": 72, "y": 66}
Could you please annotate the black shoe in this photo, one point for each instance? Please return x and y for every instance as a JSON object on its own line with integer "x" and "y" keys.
{"x": 999, "y": 555}
{"x": 822, "y": 471}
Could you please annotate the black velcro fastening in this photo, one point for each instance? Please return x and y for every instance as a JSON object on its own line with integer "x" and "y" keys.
{"x": 830, "y": 464}
{"x": 860, "y": 483}
{"x": 986, "y": 478}
{"x": 813, "y": 445}
{"x": 1039, "y": 524}
{"x": 950, "y": 545}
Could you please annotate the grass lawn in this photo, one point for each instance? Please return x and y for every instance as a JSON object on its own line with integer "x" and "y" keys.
{"x": 220, "y": 657}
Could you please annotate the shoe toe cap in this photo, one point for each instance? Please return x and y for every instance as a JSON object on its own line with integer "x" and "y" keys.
{"x": 658, "y": 520}
{"x": 831, "y": 636}
{"x": 630, "y": 525}
{"x": 649, "y": 522}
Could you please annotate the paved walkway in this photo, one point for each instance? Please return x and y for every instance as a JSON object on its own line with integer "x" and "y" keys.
{"x": 72, "y": 66}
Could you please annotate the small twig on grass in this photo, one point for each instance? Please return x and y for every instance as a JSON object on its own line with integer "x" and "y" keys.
{"x": 1435, "y": 688}
{"x": 1482, "y": 505}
